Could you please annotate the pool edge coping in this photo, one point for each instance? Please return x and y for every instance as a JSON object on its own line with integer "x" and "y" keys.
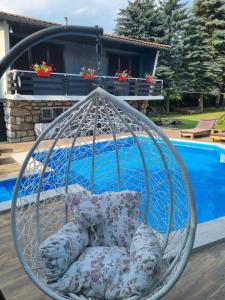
{"x": 207, "y": 233}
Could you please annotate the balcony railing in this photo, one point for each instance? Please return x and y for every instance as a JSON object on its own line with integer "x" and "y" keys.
{"x": 27, "y": 83}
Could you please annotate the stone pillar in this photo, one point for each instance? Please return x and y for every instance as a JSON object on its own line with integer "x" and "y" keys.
{"x": 21, "y": 116}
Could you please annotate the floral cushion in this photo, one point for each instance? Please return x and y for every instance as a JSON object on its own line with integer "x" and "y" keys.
{"x": 112, "y": 272}
{"x": 145, "y": 258}
{"x": 121, "y": 218}
{"x": 85, "y": 209}
{"x": 106, "y": 253}
{"x": 96, "y": 270}
{"x": 116, "y": 215}
{"x": 61, "y": 249}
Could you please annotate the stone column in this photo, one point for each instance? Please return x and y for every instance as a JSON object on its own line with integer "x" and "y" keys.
{"x": 21, "y": 116}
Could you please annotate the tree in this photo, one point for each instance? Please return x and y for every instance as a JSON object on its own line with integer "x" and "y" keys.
{"x": 141, "y": 19}
{"x": 164, "y": 22}
{"x": 204, "y": 48}
{"x": 215, "y": 11}
{"x": 171, "y": 68}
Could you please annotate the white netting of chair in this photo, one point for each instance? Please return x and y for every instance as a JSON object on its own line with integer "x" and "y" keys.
{"x": 103, "y": 207}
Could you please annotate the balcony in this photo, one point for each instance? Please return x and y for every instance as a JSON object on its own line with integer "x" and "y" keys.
{"x": 73, "y": 87}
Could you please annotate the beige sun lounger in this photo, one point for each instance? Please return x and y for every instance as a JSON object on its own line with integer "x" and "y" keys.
{"x": 217, "y": 135}
{"x": 203, "y": 128}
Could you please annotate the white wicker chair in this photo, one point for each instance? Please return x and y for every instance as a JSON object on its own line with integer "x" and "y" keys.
{"x": 103, "y": 145}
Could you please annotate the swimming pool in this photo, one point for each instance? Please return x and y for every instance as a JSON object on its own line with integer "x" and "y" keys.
{"x": 205, "y": 164}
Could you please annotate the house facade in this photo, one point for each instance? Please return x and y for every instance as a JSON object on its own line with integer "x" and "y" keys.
{"x": 26, "y": 100}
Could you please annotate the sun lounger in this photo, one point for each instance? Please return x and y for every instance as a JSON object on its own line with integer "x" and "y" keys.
{"x": 203, "y": 128}
{"x": 217, "y": 135}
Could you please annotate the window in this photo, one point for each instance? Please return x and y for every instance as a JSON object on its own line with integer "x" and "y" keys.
{"x": 57, "y": 111}
{"x": 46, "y": 114}
{"x": 50, "y": 113}
{"x": 122, "y": 62}
{"x": 56, "y": 57}
{"x": 49, "y": 52}
{"x": 39, "y": 53}
{"x": 22, "y": 63}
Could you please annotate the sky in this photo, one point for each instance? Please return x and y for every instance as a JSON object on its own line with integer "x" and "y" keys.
{"x": 79, "y": 12}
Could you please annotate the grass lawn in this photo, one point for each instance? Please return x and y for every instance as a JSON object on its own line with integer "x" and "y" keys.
{"x": 190, "y": 121}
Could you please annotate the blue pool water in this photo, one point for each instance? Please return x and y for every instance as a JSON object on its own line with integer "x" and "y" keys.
{"x": 203, "y": 163}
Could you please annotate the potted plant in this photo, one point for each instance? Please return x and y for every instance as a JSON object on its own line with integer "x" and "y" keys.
{"x": 87, "y": 73}
{"x": 149, "y": 78}
{"x": 42, "y": 70}
{"x": 122, "y": 75}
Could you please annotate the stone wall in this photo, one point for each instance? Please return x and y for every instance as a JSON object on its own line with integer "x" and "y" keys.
{"x": 21, "y": 116}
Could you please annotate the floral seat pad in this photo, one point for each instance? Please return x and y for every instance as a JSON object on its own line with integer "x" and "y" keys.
{"x": 113, "y": 272}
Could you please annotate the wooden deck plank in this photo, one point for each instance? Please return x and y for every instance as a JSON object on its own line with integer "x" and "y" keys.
{"x": 203, "y": 278}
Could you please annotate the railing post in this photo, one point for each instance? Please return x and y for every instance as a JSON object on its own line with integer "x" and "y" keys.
{"x": 13, "y": 80}
{"x": 136, "y": 87}
{"x": 66, "y": 84}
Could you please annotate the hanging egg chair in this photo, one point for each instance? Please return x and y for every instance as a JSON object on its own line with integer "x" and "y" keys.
{"x": 103, "y": 207}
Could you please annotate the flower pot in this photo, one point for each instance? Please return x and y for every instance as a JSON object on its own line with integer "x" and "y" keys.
{"x": 122, "y": 77}
{"x": 149, "y": 80}
{"x": 42, "y": 73}
{"x": 88, "y": 76}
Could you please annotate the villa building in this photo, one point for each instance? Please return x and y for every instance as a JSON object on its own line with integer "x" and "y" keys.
{"x": 26, "y": 100}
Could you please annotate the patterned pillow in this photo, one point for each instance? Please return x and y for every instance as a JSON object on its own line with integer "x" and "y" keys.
{"x": 100, "y": 272}
{"x": 61, "y": 249}
{"x": 86, "y": 210}
{"x": 124, "y": 256}
{"x": 116, "y": 215}
{"x": 121, "y": 212}
{"x": 145, "y": 256}
{"x": 112, "y": 273}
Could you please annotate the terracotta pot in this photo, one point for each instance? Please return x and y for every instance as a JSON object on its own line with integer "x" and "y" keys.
{"x": 149, "y": 80}
{"x": 122, "y": 77}
{"x": 88, "y": 76}
{"x": 41, "y": 73}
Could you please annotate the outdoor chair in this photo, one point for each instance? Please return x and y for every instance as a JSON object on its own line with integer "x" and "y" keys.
{"x": 217, "y": 135}
{"x": 107, "y": 216}
{"x": 203, "y": 128}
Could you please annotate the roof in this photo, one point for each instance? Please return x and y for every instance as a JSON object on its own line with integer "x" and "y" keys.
{"x": 23, "y": 19}
{"x": 27, "y": 20}
{"x": 136, "y": 41}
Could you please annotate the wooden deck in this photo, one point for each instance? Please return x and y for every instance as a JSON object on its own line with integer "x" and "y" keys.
{"x": 203, "y": 279}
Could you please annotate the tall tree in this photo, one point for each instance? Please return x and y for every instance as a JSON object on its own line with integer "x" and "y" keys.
{"x": 164, "y": 21}
{"x": 204, "y": 47}
{"x": 176, "y": 19}
{"x": 141, "y": 19}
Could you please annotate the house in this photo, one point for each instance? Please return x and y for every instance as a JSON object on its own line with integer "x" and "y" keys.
{"x": 26, "y": 100}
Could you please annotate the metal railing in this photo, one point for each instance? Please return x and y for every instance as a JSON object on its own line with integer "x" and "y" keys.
{"x": 27, "y": 83}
